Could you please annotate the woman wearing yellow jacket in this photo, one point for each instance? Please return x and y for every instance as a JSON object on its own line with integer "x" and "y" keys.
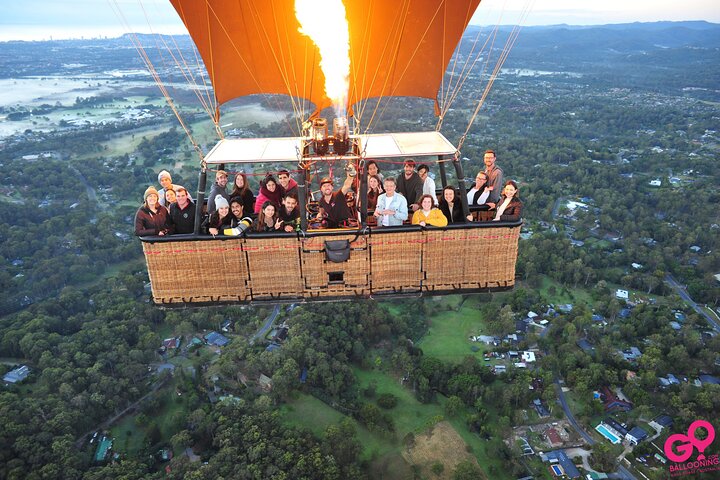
{"x": 428, "y": 214}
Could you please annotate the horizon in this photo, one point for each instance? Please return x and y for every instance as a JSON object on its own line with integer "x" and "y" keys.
{"x": 103, "y": 34}
{"x": 43, "y": 20}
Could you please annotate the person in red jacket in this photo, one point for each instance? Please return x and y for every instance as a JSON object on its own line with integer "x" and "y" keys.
{"x": 151, "y": 217}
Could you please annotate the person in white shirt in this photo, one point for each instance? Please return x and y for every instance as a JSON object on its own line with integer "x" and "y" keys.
{"x": 428, "y": 183}
{"x": 391, "y": 209}
{"x": 480, "y": 192}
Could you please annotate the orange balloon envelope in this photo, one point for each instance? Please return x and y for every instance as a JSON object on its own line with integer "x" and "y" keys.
{"x": 397, "y": 47}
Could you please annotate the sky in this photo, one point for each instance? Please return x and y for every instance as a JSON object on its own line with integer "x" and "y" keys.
{"x": 58, "y": 19}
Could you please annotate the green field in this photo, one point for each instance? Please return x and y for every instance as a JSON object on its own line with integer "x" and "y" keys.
{"x": 562, "y": 293}
{"x": 308, "y": 412}
{"x": 447, "y": 336}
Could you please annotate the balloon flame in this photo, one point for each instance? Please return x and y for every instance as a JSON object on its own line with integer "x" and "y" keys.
{"x": 325, "y": 22}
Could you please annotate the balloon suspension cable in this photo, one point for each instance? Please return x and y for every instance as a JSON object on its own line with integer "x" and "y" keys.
{"x": 453, "y": 91}
{"x": 158, "y": 81}
{"x": 509, "y": 44}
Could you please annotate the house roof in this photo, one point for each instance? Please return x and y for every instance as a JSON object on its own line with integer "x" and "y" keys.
{"x": 638, "y": 433}
{"x": 585, "y": 345}
{"x": 17, "y": 375}
{"x": 559, "y": 456}
{"x": 214, "y": 338}
{"x": 664, "y": 420}
{"x": 709, "y": 379}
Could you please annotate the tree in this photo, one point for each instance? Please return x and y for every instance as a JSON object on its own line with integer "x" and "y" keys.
{"x": 387, "y": 401}
{"x": 467, "y": 470}
{"x": 453, "y": 406}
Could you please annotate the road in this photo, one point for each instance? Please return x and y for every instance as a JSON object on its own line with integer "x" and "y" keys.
{"x": 622, "y": 472}
{"x": 266, "y": 326}
{"x": 680, "y": 290}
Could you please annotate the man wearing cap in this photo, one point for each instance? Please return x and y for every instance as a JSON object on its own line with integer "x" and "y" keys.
{"x": 181, "y": 218}
{"x": 333, "y": 206}
{"x": 409, "y": 185}
{"x": 165, "y": 180}
{"x": 218, "y": 188}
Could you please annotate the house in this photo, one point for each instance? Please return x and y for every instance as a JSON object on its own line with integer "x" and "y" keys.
{"x": 513, "y": 354}
{"x": 521, "y": 326}
{"x": 695, "y": 248}
{"x": 622, "y": 294}
{"x": 541, "y": 410}
{"x": 669, "y": 380}
{"x": 486, "y": 339}
{"x": 636, "y": 266}
{"x": 281, "y": 334}
{"x": 17, "y": 375}
{"x": 193, "y": 344}
{"x": 675, "y": 326}
{"x": 597, "y": 318}
{"x": 585, "y": 345}
{"x": 532, "y": 315}
{"x": 528, "y": 357}
{"x": 709, "y": 380}
{"x": 661, "y": 421}
{"x": 559, "y": 457}
{"x": 217, "y": 339}
{"x": 273, "y": 347}
{"x": 265, "y": 383}
{"x": 226, "y": 326}
{"x": 553, "y": 437}
{"x": 619, "y": 428}
{"x": 171, "y": 343}
{"x": 636, "y": 435}
{"x": 624, "y": 313}
{"x": 565, "y": 308}
{"x": 498, "y": 369}
{"x": 611, "y": 402}
{"x": 631, "y": 354}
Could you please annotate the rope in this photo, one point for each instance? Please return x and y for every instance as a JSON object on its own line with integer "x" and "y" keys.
{"x": 512, "y": 38}
{"x": 156, "y": 77}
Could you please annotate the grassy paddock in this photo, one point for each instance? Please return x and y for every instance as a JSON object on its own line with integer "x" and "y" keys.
{"x": 447, "y": 336}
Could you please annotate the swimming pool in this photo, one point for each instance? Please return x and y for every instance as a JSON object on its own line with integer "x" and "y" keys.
{"x": 605, "y": 432}
{"x": 557, "y": 470}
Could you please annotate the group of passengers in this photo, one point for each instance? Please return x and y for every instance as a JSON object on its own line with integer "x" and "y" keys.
{"x": 391, "y": 202}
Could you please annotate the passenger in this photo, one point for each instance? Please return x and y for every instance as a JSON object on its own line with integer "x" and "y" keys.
{"x": 236, "y": 210}
{"x": 221, "y": 218}
{"x": 165, "y": 180}
{"x": 495, "y": 177}
{"x": 268, "y": 219}
{"x": 170, "y": 197}
{"x": 242, "y": 190}
{"x": 374, "y": 191}
{"x": 269, "y": 190}
{"x": 374, "y": 170}
{"x": 451, "y": 206}
{"x": 181, "y": 218}
{"x": 289, "y": 185}
{"x": 428, "y": 183}
{"x": 290, "y": 213}
{"x": 334, "y": 212}
{"x": 480, "y": 192}
{"x": 218, "y": 188}
{"x": 391, "y": 209}
{"x": 509, "y": 207}
{"x": 151, "y": 217}
{"x": 409, "y": 185}
{"x": 428, "y": 214}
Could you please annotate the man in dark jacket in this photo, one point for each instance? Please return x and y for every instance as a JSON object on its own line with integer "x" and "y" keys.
{"x": 218, "y": 188}
{"x": 410, "y": 185}
{"x": 181, "y": 218}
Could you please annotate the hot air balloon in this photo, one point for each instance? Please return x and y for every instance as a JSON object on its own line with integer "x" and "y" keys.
{"x": 390, "y": 49}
